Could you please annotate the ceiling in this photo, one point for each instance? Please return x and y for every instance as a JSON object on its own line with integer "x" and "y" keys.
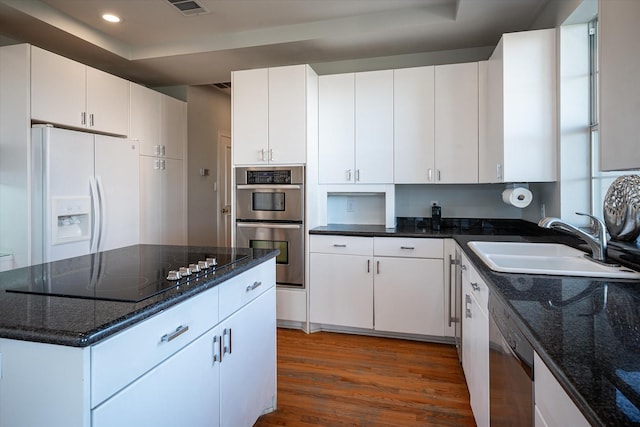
{"x": 157, "y": 45}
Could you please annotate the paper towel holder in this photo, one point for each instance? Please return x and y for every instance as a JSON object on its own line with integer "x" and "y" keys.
{"x": 522, "y": 192}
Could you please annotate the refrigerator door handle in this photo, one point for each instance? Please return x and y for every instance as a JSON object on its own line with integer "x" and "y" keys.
{"x": 95, "y": 223}
{"x": 103, "y": 212}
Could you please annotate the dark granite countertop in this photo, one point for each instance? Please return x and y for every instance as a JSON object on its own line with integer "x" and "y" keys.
{"x": 80, "y": 322}
{"x": 586, "y": 330}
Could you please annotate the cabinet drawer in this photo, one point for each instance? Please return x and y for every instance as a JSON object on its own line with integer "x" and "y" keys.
{"x": 480, "y": 289}
{"x": 408, "y": 247}
{"x": 121, "y": 359}
{"x": 347, "y": 245}
{"x": 244, "y": 288}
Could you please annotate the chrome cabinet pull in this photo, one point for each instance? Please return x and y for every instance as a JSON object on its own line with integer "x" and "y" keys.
{"x": 430, "y": 174}
{"x": 254, "y": 286}
{"x": 216, "y": 349}
{"x": 498, "y": 170}
{"x": 377, "y": 267}
{"x": 463, "y": 267}
{"x": 467, "y": 303}
{"x": 91, "y": 121}
{"x": 271, "y": 154}
{"x": 349, "y": 175}
{"x": 339, "y": 246}
{"x": 357, "y": 174}
{"x": 475, "y": 286}
{"x": 83, "y": 118}
{"x": 163, "y": 150}
{"x": 368, "y": 266}
{"x": 226, "y": 349}
{"x": 408, "y": 248}
{"x": 175, "y": 334}
{"x": 439, "y": 177}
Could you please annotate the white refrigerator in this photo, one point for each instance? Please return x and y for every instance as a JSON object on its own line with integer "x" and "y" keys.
{"x": 85, "y": 193}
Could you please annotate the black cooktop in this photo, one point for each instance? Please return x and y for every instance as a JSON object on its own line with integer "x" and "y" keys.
{"x": 129, "y": 274}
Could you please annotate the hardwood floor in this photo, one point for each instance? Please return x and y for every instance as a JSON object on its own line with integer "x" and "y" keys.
{"x": 328, "y": 379}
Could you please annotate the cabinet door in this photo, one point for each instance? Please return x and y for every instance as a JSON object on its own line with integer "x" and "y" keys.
{"x": 374, "y": 127}
{"x": 145, "y": 119}
{"x": 409, "y": 296}
{"x": 248, "y": 367}
{"x": 619, "y": 76}
{"x": 173, "y": 133}
{"x": 174, "y": 202}
{"x": 456, "y": 123}
{"x": 151, "y": 218}
{"x": 57, "y": 89}
{"x": 183, "y": 390}
{"x": 107, "y": 102}
{"x": 341, "y": 290}
{"x": 336, "y": 133}
{"x": 287, "y": 114}
{"x": 250, "y": 117}
{"x": 413, "y": 126}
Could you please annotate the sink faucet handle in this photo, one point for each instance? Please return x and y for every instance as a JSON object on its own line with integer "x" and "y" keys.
{"x": 598, "y": 224}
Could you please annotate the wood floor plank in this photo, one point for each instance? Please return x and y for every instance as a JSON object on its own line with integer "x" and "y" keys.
{"x": 330, "y": 379}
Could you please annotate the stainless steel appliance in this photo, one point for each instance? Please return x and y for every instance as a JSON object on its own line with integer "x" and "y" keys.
{"x": 455, "y": 298}
{"x": 510, "y": 370}
{"x": 270, "y": 214}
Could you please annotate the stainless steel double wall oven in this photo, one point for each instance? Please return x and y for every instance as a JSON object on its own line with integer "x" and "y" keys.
{"x": 270, "y": 214}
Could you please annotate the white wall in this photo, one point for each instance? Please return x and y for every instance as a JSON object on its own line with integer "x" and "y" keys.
{"x": 208, "y": 112}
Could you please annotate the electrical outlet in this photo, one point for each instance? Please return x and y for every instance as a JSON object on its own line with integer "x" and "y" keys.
{"x": 543, "y": 210}
{"x": 434, "y": 202}
{"x": 349, "y": 204}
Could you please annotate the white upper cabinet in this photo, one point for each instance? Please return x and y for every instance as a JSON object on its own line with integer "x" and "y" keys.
{"x": 619, "y": 84}
{"x": 287, "y": 114}
{"x": 336, "y": 121}
{"x": 145, "y": 119}
{"x": 173, "y": 130}
{"x": 270, "y": 115}
{"x": 413, "y": 115}
{"x": 68, "y": 93}
{"x": 520, "y": 140}
{"x": 250, "y": 122}
{"x": 356, "y": 128}
{"x": 374, "y": 127}
{"x": 456, "y": 123}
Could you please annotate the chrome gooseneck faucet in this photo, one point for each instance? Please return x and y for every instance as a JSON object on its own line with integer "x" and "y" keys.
{"x": 596, "y": 238}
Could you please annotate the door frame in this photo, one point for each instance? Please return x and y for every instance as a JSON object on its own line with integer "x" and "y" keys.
{"x": 221, "y": 166}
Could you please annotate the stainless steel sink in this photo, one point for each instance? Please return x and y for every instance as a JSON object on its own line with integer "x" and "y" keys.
{"x": 545, "y": 258}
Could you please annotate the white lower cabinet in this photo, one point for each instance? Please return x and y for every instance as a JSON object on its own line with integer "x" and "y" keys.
{"x": 475, "y": 341}
{"x": 341, "y": 290}
{"x": 248, "y": 367}
{"x": 385, "y": 284}
{"x": 208, "y": 361}
{"x": 553, "y": 407}
{"x": 184, "y": 390}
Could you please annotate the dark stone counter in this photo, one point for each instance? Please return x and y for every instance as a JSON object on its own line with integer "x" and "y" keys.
{"x": 79, "y": 322}
{"x": 586, "y": 330}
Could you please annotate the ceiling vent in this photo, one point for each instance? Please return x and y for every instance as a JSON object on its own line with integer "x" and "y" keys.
{"x": 188, "y": 7}
{"x": 225, "y": 85}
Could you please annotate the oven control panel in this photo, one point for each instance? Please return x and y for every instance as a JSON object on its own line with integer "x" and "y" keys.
{"x": 269, "y": 177}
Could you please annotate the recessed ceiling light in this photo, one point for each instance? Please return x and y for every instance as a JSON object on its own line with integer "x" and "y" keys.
{"x": 110, "y": 17}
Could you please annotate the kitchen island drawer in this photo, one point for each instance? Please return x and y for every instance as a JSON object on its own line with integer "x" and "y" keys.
{"x": 244, "y": 288}
{"x": 346, "y": 245}
{"x": 408, "y": 247}
{"x": 119, "y": 360}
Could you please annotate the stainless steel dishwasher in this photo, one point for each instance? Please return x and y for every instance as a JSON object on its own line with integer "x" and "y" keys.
{"x": 511, "y": 394}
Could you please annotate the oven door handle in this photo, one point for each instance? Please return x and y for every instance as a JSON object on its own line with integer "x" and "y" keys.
{"x": 269, "y": 187}
{"x": 267, "y": 225}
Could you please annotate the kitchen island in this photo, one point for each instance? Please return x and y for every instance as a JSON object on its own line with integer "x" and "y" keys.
{"x": 584, "y": 329}
{"x": 107, "y": 339}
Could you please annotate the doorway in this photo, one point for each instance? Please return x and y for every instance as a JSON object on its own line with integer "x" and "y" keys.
{"x": 224, "y": 190}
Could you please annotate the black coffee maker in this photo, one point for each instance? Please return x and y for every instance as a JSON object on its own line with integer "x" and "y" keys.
{"x": 436, "y": 217}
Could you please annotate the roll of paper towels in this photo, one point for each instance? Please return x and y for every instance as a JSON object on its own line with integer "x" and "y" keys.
{"x": 519, "y": 197}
